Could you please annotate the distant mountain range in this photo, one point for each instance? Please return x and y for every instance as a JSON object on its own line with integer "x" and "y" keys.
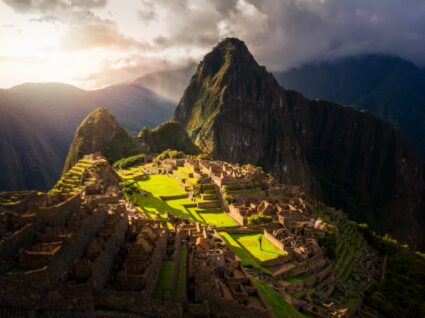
{"x": 388, "y": 87}
{"x": 38, "y": 122}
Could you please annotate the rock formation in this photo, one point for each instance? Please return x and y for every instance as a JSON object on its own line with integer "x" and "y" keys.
{"x": 236, "y": 111}
{"x": 100, "y": 132}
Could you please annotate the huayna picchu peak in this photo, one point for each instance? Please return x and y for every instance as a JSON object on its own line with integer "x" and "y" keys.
{"x": 236, "y": 111}
{"x": 100, "y": 132}
{"x": 251, "y": 201}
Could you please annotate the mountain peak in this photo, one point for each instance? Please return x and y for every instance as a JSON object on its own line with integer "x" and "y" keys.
{"x": 100, "y": 131}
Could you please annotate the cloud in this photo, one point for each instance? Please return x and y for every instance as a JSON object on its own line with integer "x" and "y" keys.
{"x": 40, "y": 6}
{"x": 45, "y": 18}
{"x": 98, "y": 33}
{"x": 124, "y": 69}
{"x": 287, "y": 33}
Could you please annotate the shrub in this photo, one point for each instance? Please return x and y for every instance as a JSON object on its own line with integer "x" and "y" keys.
{"x": 129, "y": 161}
{"x": 259, "y": 219}
{"x": 170, "y": 154}
{"x": 229, "y": 198}
{"x": 204, "y": 156}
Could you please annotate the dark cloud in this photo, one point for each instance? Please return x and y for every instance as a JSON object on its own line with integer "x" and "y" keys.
{"x": 287, "y": 33}
{"x": 36, "y": 6}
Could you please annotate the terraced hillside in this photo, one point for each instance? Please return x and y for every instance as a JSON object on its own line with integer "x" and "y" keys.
{"x": 75, "y": 179}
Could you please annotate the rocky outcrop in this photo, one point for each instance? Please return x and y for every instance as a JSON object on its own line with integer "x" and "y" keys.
{"x": 236, "y": 111}
{"x": 100, "y": 132}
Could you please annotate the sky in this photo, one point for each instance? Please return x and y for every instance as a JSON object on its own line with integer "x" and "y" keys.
{"x": 96, "y": 43}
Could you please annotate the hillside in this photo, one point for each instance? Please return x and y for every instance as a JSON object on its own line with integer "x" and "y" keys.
{"x": 38, "y": 123}
{"x": 388, "y": 87}
{"x": 100, "y": 132}
{"x": 168, "y": 135}
{"x": 236, "y": 111}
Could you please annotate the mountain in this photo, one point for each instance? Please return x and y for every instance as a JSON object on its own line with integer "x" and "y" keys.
{"x": 388, "y": 87}
{"x": 168, "y": 135}
{"x": 168, "y": 83}
{"x": 38, "y": 122}
{"x": 100, "y": 132}
{"x": 236, "y": 111}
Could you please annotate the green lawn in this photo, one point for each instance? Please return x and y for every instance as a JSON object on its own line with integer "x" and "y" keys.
{"x": 161, "y": 185}
{"x": 163, "y": 287}
{"x": 246, "y": 257}
{"x": 155, "y": 205}
{"x": 250, "y": 241}
{"x": 218, "y": 219}
{"x": 181, "y": 278}
{"x": 280, "y": 307}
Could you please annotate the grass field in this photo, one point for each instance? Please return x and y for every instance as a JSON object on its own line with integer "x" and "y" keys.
{"x": 161, "y": 185}
{"x": 218, "y": 219}
{"x": 162, "y": 290}
{"x": 250, "y": 241}
{"x": 246, "y": 257}
{"x": 280, "y": 308}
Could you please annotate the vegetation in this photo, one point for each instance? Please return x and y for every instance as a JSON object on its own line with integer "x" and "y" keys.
{"x": 170, "y": 154}
{"x": 247, "y": 247}
{"x": 401, "y": 291}
{"x": 163, "y": 287}
{"x": 280, "y": 308}
{"x": 181, "y": 278}
{"x": 247, "y": 258}
{"x": 168, "y": 135}
{"x": 219, "y": 219}
{"x": 259, "y": 219}
{"x": 128, "y": 162}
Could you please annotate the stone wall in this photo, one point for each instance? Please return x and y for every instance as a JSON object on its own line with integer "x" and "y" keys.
{"x": 137, "y": 302}
{"x": 22, "y": 238}
{"x": 102, "y": 266}
{"x": 223, "y": 307}
{"x": 156, "y": 261}
{"x": 59, "y": 213}
{"x": 272, "y": 239}
{"x": 19, "y": 287}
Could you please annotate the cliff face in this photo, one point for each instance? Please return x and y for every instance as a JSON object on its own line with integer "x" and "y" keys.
{"x": 236, "y": 111}
{"x": 101, "y": 132}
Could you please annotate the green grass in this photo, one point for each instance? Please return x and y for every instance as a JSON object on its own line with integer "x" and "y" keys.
{"x": 297, "y": 279}
{"x": 181, "y": 278}
{"x": 280, "y": 308}
{"x": 246, "y": 257}
{"x": 161, "y": 185}
{"x": 163, "y": 287}
{"x": 218, "y": 219}
{"x": 154, "y": 205}
{"x": 250, "y": 241}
